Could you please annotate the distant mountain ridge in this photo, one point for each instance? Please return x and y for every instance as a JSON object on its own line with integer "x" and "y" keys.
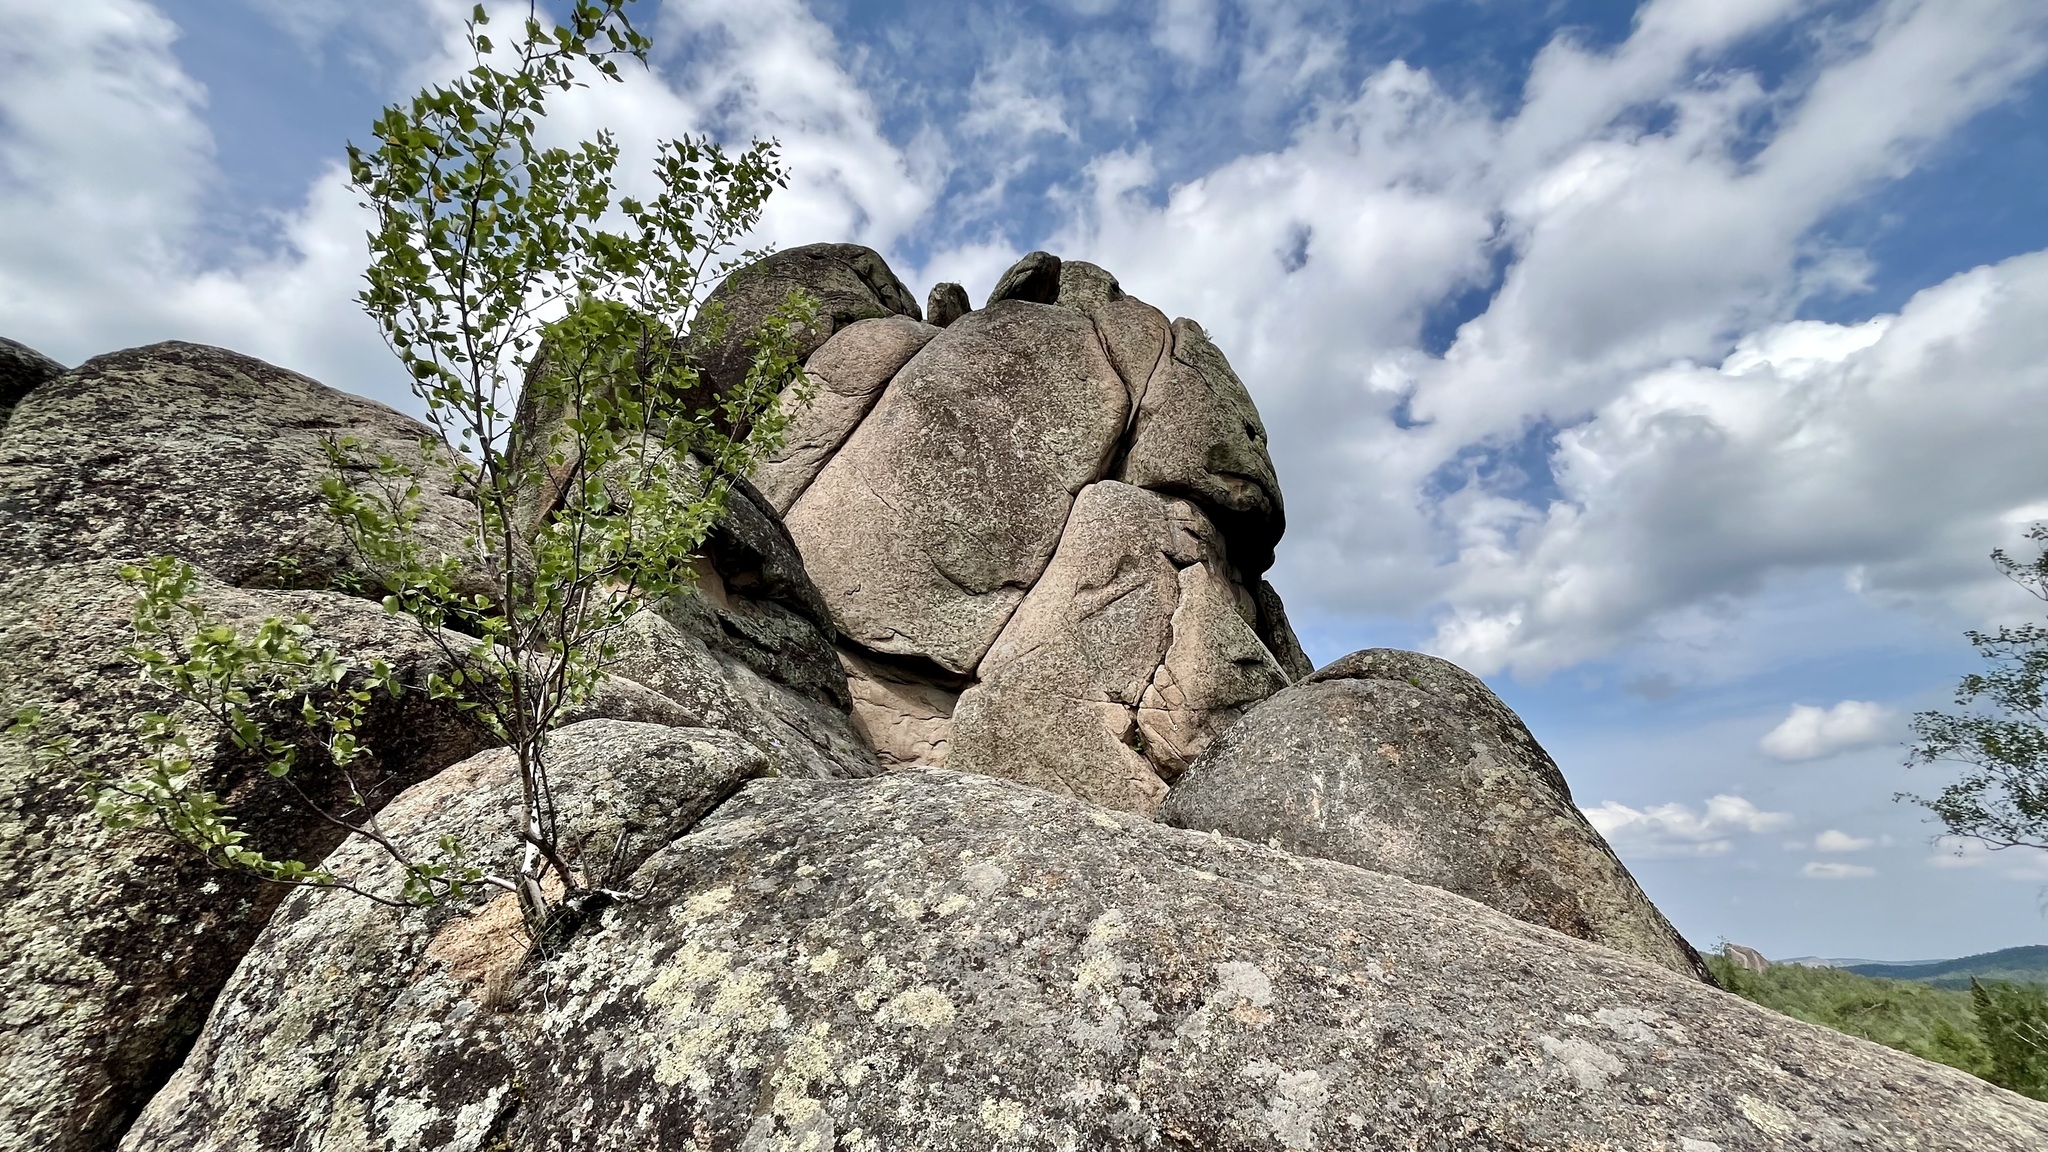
{"x": 2027, "y": 964}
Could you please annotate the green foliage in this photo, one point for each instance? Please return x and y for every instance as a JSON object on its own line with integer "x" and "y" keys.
{"x": 2001, "y": 798}
{"x": 237, "y": 690}
{"x": 1931, "y": 1023}
{"x": 1996, "y": 1031}
{"x": 2013, "y": 1021}
{"x": 502, "y": 270}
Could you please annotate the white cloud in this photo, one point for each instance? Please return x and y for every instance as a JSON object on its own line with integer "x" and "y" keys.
{"x": 1833, "y": 840}
{"x": 1186, "y": 29}
{"x": 1677, "y": 830}
{"x": 105, "y": 159}
{"x": 1954, "y": 852}
{"x": 1835, "y": 870}
{"x": 1810, "y": 733}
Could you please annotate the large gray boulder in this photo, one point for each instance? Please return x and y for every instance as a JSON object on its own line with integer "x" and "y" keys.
{"x": 1409, "y": 765}
{"x": 205, "y": 454}
{"x": 929, "y": 525}
{"x": 22, "y": 368}
{"x": 624, "y": 791}
{"x": 938, "y": 961}
{"x": 113, "y": 943}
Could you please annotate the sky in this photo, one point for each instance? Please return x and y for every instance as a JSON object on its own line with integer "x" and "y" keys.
{"x": 1674, "y": 366}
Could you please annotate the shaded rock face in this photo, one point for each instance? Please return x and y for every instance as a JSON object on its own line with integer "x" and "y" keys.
{"x": 947, "y": 303}
{"x": 1039, "y": 529}
{"x": 112, "y": 945}
{"x": 851, "y": 283}
{"x": 21, "y": 368}
{"x": 1408, "y": 765}
{"x": 940, "y": 961}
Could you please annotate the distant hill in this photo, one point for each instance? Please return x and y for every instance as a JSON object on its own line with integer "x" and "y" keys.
{"x": 2027, "y": 964}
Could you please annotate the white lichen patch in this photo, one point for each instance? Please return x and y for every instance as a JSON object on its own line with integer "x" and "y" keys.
{"x": 1002, "y": 1118}
{"x": 704, "y": 905}
{"x": 1295, "y": 1107}
{"x": 920, "y": 1007}
{"x": 824, "y": 962}
{"x": 951, "y": 904}
{"x": 741, "y": 1005}
{"x": 1590, "y": 1065}
{"x": 1769, "y": 1119}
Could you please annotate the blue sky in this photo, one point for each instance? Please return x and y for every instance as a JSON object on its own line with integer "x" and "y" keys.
{"x": 1673, "y": 365}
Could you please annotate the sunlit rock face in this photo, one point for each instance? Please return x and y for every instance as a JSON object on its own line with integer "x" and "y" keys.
{"x": 1039, "y": 529}
{"x": 929, "y": 960}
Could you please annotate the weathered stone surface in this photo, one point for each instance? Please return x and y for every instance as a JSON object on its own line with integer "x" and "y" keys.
{"x": 1139, "y": 341}
{"x": 1199, "y": 435}
{"x": 948, "y": 302}
{"x": 1278, "y": 634}
{"x": 1746, "y": 958}
{"x": 850, "y": 283}
{"x": 847, "y": 376}
{"x": 624, "y": 791}
{"x": 937, "y": 961}
{"x": 112, "y": 944}
{"x": 21, "y": 368}
{"x": 1407, "y": 764}
{"x": 1034, "y": 278}
{"x": 663, "y": 649}
{"x": 940, "y": 511}
{"x": 1058, "y": 699}
{"x": 769, "y": 613}
{"x": 906, "y": 717}
{"x": 1084, "y": 286}
{"x": 1216, "y": 669}
{"x": 202, "y": 453}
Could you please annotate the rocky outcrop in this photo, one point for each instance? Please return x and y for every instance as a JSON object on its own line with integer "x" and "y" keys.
{"x": 939, "y": 961}
{"x": 976, "y": 496}
{"x": 204, "y": 454}
{"x": 1408, "y": 765}
{"x": 929, "y": 525}
{"x": 947, "y": 303}
{"x": 22, "y": 368}
{"x": 112, "y": 944}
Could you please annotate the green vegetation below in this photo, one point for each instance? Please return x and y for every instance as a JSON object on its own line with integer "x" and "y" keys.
{"x": 1995, "y": 1031}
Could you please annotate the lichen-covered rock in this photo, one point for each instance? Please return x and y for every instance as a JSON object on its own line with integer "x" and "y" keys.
{"x": 205, "y": 454}
{"x": 663, "y": 648}
{"x": 850, "y": 283}
{"x": 112, "y": 944}
{"x": 939, "y": 961}
{"x": 1034, "y": 278}
{"x": 1407, "y": 764}
{"x": 347, "y": 979}
{"x": 938, "y": 514}
{"x": 1199, "y": 435}
{"x": 847, "y": 376}
{"x": 22, "y": 368}
{"x": 1084, "y": 286}
{"x": 948, "y": 302}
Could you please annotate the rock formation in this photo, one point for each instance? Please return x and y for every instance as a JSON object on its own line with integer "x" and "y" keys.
{"x": 112, "y": 945}
{"x": 1406, "y": 764}
{"x": 1024, "y": 542}
{"x": 1039, "y": 528}
{"x": 937, "y": 961}
{"x": 21, "y": 368}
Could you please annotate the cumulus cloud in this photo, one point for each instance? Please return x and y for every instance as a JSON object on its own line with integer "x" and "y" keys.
{"x": 105, "y": 159}
{"x": 1956, "y": 852}
{"x": 1631, "y": 438}
{"x": 1669, "y": 830}
{"x": 1811, "y": 733}
{"x": 1835, "y": 870}
{"x": 1833, "y": 840}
